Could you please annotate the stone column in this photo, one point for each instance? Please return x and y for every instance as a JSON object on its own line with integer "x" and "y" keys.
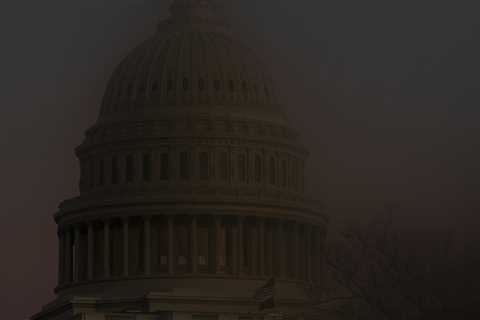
{"x": 125, "y": 223}
{"x": 76, "y": 275}
{"x": 147, "y": 244}
{"x": 106, "y": 250}
{"x": 90, "y": 251}
{"x": 61, "y": 255}
{"x": 295, "y": 256}
{"x": 234, "y": 254}
{"x": 240, "y": 244}
{"x": 261, "y": 247}
{"x": 308, "y": 249}
{"x": 68, "y": 256}
{"x": 194, "y": 251}
{"x": 280, "y": 248}
{"x": 217, "y": 244}
{"x": 170, "y": 245}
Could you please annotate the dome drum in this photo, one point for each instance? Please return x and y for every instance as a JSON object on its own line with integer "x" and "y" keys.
{"x": 188, "y": 245}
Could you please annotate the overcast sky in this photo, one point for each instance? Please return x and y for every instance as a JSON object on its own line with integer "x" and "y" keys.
{"x": 385, "y": 93}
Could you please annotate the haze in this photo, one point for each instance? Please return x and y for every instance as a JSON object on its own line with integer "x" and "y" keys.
{"x": 385, "y": 94}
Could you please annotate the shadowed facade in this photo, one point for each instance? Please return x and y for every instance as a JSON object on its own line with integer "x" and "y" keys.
{"x": 191, "y": 188}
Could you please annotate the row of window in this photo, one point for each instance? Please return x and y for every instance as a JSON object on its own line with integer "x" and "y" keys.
{"x": 282, "y": 172}
{"x": 202, "y": 85}
{"x": 218, "y": 249}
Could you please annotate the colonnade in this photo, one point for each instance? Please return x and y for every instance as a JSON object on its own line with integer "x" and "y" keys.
{"x": 229, "y": 246}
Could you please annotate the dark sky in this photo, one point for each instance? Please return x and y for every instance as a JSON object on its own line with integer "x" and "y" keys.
{"x": 385, "y": 93}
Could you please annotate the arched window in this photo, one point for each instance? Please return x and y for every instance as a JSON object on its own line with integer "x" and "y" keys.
{"x": 129, "y": 168}
{"x": 146, "y": 167}
{"x": 203, "y": 165}
{"x": 272, "y": 170}
{"x": 258, "y": 168}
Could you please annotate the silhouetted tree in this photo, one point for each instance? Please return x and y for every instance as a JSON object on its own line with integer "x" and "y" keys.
{"x": 381, "y": 272}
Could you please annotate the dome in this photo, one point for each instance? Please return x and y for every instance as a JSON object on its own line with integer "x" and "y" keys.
{"x": 191, "y": 181}
{"x": 192, "y": 60}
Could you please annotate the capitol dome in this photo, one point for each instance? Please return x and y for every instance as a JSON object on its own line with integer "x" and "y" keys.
{"x": 192, "y": 185}
{"x": 189, "y": 67}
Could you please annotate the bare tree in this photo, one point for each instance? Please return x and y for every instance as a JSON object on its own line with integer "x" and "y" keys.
{"x": 384, "y": 273}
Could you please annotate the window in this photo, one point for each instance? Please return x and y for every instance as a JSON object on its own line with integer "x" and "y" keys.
{"x": 186, "y": 84}
{"x": 217, "y": 85}
{"x": 146, "y": 167}
{"x": 204, "y": 317}
{"x": 272, "y": 170}
{"x": 245, "y": 88}
{"x": 283, "y": 172}
{"x": 181, "y": 246}
{"x": 242, "y": 170}
{"x": 155, "y": 86}
{"x": 101, "y": 172}
{"x": 114, "y": 170}
{"x": 164, "y": 166}
{"x": 129, "y": 168}
{"x": 222, "y": 246}
{"x": 258, "y": 168}
{"x": 201, "y": 84}
{"x": 91, "y": 167}
{"x": 203, "y": 247}
{"x": 203, "y": 165}
{"x": 184, "y": 165}
{"x": 170, "y": 85}
{"x": 232, "y": 85}
{"x": 222, "y": 166}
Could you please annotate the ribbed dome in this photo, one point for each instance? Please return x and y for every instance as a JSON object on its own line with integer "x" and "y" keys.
{"x": 192, "y": 60}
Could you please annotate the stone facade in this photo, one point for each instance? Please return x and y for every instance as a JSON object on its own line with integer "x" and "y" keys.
{"x": 191, "y": 189}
